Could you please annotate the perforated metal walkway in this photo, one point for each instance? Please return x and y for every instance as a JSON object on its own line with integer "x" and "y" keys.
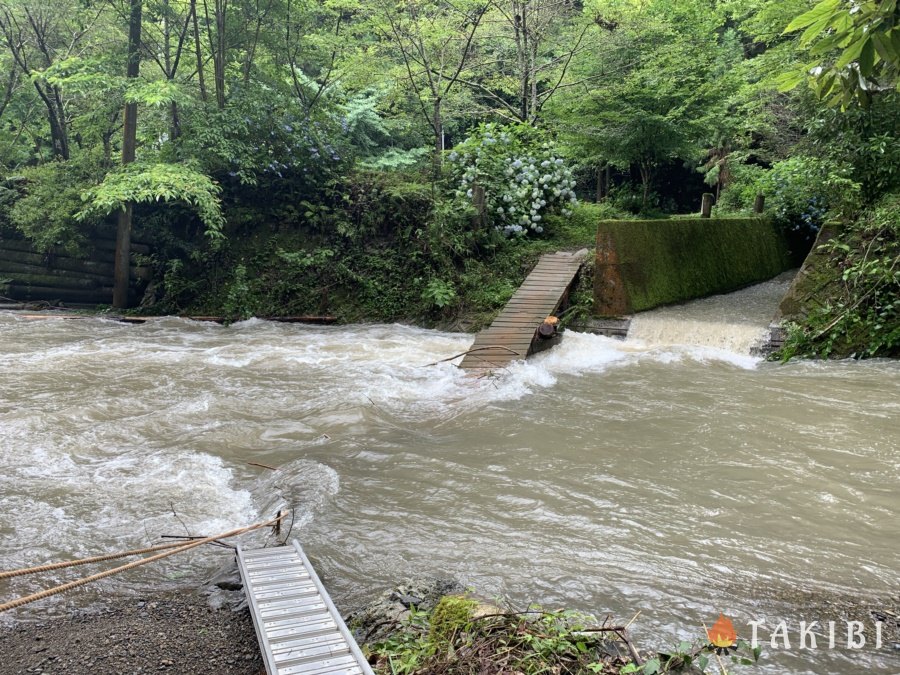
{"x": 510, "y": 336}
{"x": 299, "y": 629}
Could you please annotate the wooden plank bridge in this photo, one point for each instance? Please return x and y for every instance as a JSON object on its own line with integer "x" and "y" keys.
{"x": 509, "y": 338}
{"x": 298, "y": 627}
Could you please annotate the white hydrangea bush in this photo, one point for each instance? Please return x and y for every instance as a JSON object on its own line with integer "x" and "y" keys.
{"x": 523, "y": 177}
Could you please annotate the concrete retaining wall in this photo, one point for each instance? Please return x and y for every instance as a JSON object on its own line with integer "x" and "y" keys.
{"x": 643, "y": 264}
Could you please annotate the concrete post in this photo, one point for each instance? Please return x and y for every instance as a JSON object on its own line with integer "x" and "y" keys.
{"x": 760, "y": 204}
{"x": 706, "y": 205}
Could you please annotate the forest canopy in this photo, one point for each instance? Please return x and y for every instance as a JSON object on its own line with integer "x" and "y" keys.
{"x": 294, "y": 113}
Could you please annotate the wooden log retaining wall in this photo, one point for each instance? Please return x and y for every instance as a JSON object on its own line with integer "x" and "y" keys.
{"x": 59, "y": 277}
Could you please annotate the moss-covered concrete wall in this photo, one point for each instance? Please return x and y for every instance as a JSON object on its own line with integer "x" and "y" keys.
{"x": 643, "y": 264}
{"x": 814, "y": 284}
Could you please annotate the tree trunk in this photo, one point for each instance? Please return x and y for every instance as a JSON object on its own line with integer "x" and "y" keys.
{"x": 10, "y": 87}
{"x": 478, "y": 201}
{"x": 602, "y": 189}
{"x": 129, "y": 142}
{"x": 198, "y": 51}
{"x": 217, "y": 47}
{"x": 533, "y": 76}
{"x": 520, "y": 31}
{"x": 175, "y": 125}
{"x": 438, "y": 123}
{"x": 59, "y": 136}
{"x": 219, "y": 56}
{"x": 646, "y": 176}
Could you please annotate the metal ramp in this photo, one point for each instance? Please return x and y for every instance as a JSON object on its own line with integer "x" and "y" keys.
{"x": 298, "y": 627}
{"x": 509, "y": 338}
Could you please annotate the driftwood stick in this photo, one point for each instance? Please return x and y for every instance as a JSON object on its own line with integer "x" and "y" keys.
{"x": 471, "y": 351}
{"x": 628, "y": 625}
{"x": 13, "y": 604}
{"x": 187, "y": 538}
{"x": 263, "y": 466}
{"x": 631, "y": 649}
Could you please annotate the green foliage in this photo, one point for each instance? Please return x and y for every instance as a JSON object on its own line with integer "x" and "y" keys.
{"x": 394, "y": 158}
{"x": 863, "y": 141}
{"x": 262, "y": 138}
{"x": 181, "y": 285}
{"x": 148, "y": 183}
{"x": 802, "y": 192}
{"x": 238, "y": 304}
{"x": 521, "y": 172}
{"x": 450, "y": 617}
{"x": 157, "y": 93}
{"x": 856, "y": 307}
{"x": 439, "y": 293}
{"x": 661, "y": 84}
{"x": 50, "y": 196}
{"x": 462, "y": 638}
{"x": 740, "y": 193}
{"x": 696, "y": 657}
{"x": 455, "y": 638}
{"x": 853, "y": 50}
{"x": 378, "y": 142}
{"x": 84, "y": 76}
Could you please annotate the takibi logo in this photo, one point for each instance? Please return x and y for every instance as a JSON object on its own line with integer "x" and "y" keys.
{"x": 722, "y": 635}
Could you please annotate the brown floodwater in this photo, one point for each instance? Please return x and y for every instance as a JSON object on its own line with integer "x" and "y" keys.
{"x": 678, "y": 480}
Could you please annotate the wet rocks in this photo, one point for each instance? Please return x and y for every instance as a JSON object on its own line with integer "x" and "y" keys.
{"x": 378, "y": 619}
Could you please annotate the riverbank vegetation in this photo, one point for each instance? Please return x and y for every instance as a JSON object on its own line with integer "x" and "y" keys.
{"x": 462, "y": 636}
{"x": 407, "y": 160}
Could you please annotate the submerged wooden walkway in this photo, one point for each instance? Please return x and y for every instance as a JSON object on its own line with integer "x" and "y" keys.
{"x": 510, "y": 336}
{"x": 299, "y": 629}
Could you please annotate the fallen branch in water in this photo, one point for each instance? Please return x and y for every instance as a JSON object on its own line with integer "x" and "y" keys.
{"x": 191, "y": 538}
{"x": 472, "y": 351}
{"x": 264, "y": 466}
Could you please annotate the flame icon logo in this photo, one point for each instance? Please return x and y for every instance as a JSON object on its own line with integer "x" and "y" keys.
{"x": 722, "y": 633}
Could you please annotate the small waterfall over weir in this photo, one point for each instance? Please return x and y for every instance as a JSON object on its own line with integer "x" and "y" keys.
{"x": 736, "y": 322}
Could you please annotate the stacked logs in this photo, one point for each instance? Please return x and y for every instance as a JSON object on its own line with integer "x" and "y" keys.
{"x": 28, "y": 275}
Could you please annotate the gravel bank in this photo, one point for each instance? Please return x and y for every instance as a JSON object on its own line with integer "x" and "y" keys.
{"x": 175, "y": 632}
{"x": 179, "y": 632}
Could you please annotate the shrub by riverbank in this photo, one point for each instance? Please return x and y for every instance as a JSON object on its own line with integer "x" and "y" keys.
{"x": 395, "y": 254}
{"x": 846, "y": 302}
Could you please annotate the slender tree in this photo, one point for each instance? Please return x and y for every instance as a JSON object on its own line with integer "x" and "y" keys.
{"x": 36, "y": 40}
{"x": 435, "y": 41}
{"x": 129, "y": 143}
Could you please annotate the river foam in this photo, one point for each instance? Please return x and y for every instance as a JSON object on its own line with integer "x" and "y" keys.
{"x": 601, "y": 475}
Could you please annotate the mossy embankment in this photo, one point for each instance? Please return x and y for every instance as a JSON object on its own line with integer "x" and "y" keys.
{"x": 403, "y": 259}
{"x": 643, "y": 264}
{"x": 845, "y": 302}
